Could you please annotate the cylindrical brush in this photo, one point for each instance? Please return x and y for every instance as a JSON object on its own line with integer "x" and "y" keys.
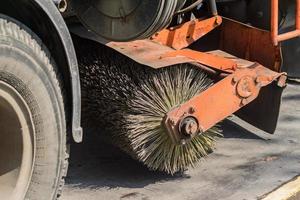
{"x": 128, "y": 102}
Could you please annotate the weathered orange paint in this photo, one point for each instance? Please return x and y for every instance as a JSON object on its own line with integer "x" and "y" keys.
{"x": 243, "y": 79}
{"x": 246, "y": 42}
{"x": 182, "y": 36}
{"x": 211, "y": 60}
{"x": 224, "y": 98}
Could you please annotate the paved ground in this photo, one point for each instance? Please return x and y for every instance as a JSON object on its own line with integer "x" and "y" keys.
{"x": 246, "y": 165}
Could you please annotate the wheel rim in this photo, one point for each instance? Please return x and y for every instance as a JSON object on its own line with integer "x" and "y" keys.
{"x": 16, "y": 144}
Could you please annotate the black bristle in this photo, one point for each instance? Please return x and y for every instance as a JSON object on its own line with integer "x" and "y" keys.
{"x": 128, "y": 101}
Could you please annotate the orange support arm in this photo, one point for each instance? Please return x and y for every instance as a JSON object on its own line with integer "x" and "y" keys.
{"x": 219, "y": 101}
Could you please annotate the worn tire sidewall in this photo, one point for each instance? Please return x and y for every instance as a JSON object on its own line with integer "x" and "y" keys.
{"x": 27, "y": 70}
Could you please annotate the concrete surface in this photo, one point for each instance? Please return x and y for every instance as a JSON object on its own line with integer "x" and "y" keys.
{"x": 246, "y": 165}
{"x": 287, "y": 191}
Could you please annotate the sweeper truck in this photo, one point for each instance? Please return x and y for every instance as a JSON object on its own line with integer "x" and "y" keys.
{"x": 156, "y": 77}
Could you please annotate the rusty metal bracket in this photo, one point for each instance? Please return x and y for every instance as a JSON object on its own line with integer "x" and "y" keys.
{"x": 183, "y": 35}
{"x": 221, "y": 100}
{"x": 157, "y": 56}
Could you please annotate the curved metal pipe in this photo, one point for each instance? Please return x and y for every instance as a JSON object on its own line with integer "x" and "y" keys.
{"x": 213, "y": 7}
{"x": 189, "y": 8}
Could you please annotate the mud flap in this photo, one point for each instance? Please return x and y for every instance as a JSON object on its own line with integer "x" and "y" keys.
{"x": 263, "y": 112}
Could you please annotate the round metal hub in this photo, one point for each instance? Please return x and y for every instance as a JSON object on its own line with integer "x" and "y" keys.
{"x": 116, "y": 8}
{"x": 246, "y": 87}
{"x": 126, "y": 20}
{"x": 189, "y": 127}
{"x": 16, "y": 144}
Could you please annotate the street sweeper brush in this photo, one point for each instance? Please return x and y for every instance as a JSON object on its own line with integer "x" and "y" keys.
{"x": 128, "y": 103}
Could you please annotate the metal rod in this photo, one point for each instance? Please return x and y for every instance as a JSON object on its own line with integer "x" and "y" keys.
{"x": 213, "y": 7}
{"x": 274, "y": 21}
{"x": 189, "y": 8}
{"x": 287, "y": 36}
{"x": 298, "y": 15}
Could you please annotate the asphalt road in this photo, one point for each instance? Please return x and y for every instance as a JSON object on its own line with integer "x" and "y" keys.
{"x": 246, "y": 165}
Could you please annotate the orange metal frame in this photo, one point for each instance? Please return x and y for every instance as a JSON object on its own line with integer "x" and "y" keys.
{"x": 213, "y": 61}
{"x": 275, "y": 21}
{"x": 183, "y": 35}
{"x": 222, "y": 99}
{"x": 241, "y": 85}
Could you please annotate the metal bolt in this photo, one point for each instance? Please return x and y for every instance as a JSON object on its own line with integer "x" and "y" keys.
{"x": 172, "y": 121}
{"x": 192, "y": 110}
{"x": 235, "y": 79}
{"x": 189, "y": 126}
{"x": 245, "y": 102}
{"x": 258, "y": 79}
{"x": 218, "y": 20}
{"x": 246, "y": 87}
{"x": 62, "y": 5}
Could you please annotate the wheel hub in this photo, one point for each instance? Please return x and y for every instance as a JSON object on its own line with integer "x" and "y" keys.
{"x": 16, "y": 144}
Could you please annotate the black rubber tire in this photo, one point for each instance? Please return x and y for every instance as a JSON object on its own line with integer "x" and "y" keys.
{"x": 26, "y": 65}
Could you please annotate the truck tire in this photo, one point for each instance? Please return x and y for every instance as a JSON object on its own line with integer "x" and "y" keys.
{"x": 33, "y": 151}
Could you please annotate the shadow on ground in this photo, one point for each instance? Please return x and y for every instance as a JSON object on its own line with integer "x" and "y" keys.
{"x": 95, "y": 164}
{"x": 233, "y": 130}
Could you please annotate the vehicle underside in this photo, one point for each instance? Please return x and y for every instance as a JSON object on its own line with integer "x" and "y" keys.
{"x": 157, "y": 79}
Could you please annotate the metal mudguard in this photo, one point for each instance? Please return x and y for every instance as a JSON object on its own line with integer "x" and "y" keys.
{"x": 52, "y": 12}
